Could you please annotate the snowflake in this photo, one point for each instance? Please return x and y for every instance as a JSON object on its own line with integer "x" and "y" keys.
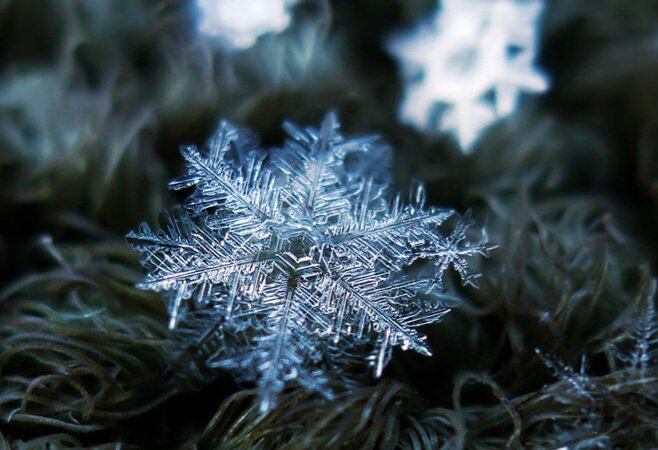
{"x": 468, "y": 65}
{"x": 302, "y": 256}
{"x": 241, "y": 22}
{"x": 640, "y": 330}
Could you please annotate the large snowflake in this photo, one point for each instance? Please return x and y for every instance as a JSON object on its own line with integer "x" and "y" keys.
{"x": 301, "y": 256}
{"x": 241, "y": 22}
{"x": 467, "y": 66}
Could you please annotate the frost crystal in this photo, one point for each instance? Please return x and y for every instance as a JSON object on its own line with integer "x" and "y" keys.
{"x": 302, "y": 256}
{"x": 241, "y": 22}
{"x": 467, "y": 66}
{"x": 634, "y": 363}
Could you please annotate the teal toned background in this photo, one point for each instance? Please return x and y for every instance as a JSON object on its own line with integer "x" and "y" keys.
{"x": 97, "y": 95}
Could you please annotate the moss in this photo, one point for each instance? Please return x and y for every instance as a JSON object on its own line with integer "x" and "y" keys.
{"x": 94, "y": 101}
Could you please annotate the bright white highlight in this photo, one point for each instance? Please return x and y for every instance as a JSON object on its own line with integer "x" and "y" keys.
{"x": 241, "y": 22}
{"x": 468, "y": 65}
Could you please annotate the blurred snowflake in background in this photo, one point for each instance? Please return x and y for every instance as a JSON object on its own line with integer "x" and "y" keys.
{"x": 467, "y": 66}
{"x": 303, "y": 256}
{"x": 241, "y": 22}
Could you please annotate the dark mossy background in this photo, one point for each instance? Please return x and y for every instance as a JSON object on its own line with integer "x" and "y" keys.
{"x": 97, "y": 95}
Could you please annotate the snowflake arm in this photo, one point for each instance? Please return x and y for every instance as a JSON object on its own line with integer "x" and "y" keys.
{"x": 285, "y": 350}
{"x": 315, "y": 193}
{"x": 645, "y": 335}
{"x": 323, "y": 170}
{"x": 248, "y": 192}
{"x": 642, "y": 330}
{"x": 387, "y": 233}
{"x": 189, "y": 261}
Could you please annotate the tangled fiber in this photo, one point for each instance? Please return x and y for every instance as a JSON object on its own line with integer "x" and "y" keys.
{"x": 558, "y": 348}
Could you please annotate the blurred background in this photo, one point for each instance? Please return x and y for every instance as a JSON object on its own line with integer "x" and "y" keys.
{"x": 96, "y": 96}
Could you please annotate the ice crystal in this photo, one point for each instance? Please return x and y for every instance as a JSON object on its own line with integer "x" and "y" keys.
{"x": 640, "y": 330}
{"x": 241, "y": 22}
{"x": 302, "y": 256}
{"x": 467, "y": 66}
